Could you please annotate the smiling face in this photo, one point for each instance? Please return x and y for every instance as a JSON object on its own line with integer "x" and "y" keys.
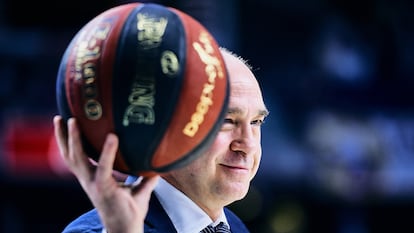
{"x": 223, "y": 173}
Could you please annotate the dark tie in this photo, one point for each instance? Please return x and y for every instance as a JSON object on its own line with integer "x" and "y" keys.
{"x": 220, "y": 228}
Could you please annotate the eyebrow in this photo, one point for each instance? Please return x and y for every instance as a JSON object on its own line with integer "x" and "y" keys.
{"x": 263, "y": 112}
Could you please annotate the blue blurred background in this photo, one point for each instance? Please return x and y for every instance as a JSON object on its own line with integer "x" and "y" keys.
{"x": 338, "y": 78}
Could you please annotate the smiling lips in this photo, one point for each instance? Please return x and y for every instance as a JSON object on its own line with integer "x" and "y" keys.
{"x": 234, "y": 167}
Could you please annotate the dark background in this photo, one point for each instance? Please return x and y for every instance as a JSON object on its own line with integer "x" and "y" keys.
{"x": 338, "y": 78}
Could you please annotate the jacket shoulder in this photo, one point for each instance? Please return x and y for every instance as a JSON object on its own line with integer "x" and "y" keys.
{"x": 236, "y": 224}
{"x": 88, "y": 222}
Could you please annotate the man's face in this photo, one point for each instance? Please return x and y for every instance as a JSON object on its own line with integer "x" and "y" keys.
{"x": 223, "y": 173}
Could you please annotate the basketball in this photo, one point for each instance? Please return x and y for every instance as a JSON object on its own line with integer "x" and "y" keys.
{"x": 151, "y": 74}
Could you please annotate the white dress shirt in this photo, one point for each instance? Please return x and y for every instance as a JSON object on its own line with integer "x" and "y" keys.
{"x": 186, "y": 216}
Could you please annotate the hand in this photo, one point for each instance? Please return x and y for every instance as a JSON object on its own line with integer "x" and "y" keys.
{"x": 121, "y": 208}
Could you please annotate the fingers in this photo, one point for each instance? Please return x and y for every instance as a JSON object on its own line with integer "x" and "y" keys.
{"x": 119, "y": 176}
{"x": 60, "y": 135}
{"x": 107, "y": 157}
{"x": 150, "y": 182}
{"x": 67, "y": 137}
{"x": 70, "y": 146}
{"x": 146, "y": 185}
{"x": 78, "y": 160}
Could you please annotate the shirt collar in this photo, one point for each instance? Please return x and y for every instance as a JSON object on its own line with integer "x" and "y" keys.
{"x": 186, "y": 216}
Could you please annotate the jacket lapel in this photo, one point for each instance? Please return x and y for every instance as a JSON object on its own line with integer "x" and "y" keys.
{"x": 157, "y": 219}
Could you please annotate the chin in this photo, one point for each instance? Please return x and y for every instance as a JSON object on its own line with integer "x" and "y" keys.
{"x": 237, "y": 191}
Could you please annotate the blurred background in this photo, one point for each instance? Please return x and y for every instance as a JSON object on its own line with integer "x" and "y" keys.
{"x": 338, "y": 78}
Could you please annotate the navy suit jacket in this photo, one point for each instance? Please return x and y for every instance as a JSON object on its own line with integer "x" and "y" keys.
{"x": 156, "y": 221}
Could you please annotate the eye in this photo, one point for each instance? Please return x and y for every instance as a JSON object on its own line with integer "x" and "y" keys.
{"x": 228, "y": 124}
{"x": 258, "y": 122}
{"x": 229, "y": 121}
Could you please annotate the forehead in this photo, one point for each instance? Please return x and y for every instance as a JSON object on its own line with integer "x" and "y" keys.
{"x": 246, "y": 98}
{"x": 245, "y": 92}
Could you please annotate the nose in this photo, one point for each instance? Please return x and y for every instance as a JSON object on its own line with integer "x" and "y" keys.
{"x": 246, "y": 138}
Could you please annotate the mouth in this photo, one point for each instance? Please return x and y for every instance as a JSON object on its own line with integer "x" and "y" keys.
{"x": 235, "y": 168}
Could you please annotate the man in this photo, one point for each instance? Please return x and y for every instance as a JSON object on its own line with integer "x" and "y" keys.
{"x": 185, "y": 200}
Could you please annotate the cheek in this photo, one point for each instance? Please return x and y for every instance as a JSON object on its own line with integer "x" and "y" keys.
{"x": 257, "y": 158}
{"x": 220, "y": 143}
{"x": 218, "y": 148}
{"x": 257, "y": 162}
{"x": 210, "y": 154}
